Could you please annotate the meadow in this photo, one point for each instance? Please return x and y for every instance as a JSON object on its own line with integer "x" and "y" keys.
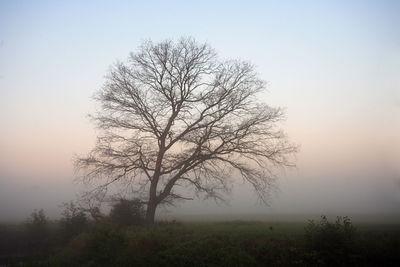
{"x": 322, "y": 242}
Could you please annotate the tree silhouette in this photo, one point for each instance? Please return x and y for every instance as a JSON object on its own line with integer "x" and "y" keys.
{"x": 175, "y": 115}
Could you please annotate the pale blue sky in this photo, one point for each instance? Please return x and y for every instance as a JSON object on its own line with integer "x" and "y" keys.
{"x": 333, "y": 64}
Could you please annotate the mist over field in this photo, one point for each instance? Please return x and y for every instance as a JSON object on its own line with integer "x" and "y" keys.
{"x": 332, "y": 65}
{"x": 297, "y": 198}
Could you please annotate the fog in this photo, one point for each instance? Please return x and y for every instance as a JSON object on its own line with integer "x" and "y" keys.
{"x": 334, "y": 67}
{"x": 368, "y": 191}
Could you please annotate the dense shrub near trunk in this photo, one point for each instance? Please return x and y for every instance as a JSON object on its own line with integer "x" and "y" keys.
{"x": 127, "y": 212}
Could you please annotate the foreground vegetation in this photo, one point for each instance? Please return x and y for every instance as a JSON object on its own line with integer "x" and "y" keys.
{"x": 114, "y": 241}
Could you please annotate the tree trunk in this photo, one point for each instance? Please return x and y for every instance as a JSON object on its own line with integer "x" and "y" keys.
{"x": 151, "y": 211}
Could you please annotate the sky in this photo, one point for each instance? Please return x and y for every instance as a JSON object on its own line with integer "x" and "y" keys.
{"x": 334, "y": 66}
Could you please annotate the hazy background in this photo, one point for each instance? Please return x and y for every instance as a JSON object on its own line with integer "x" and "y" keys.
{"x": 333, "y": 64}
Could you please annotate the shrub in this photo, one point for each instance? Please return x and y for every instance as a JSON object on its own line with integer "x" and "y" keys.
{"x": 333, "y": 241}
{"x": 37, "y": 225}
{"x": 73, "y": 221}
{"x": 127, "y": 212}
{"x": 38, "y": 234}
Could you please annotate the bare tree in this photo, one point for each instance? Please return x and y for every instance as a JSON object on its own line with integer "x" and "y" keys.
{"x": 174, "y": 115}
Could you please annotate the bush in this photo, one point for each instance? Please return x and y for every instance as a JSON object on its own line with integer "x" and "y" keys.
{"x": 99, "y": 246}
{"x": 37, "y": 226}
{"x": 73, "y": 221}
{"x": 334, "y": 242}
{"x": 127, "y": 212}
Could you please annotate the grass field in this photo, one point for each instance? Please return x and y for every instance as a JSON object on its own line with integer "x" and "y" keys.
{"x": 209, "y": 243}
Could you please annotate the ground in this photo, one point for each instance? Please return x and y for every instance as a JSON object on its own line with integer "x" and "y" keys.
{"x": 223, "y": 243}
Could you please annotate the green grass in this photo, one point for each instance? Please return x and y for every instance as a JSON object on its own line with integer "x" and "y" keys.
{"x": 241, "y": 228}
{"x": 224, "y": 243}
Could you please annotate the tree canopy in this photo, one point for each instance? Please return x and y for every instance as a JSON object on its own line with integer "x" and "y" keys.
{"x": 173, "y": 115}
